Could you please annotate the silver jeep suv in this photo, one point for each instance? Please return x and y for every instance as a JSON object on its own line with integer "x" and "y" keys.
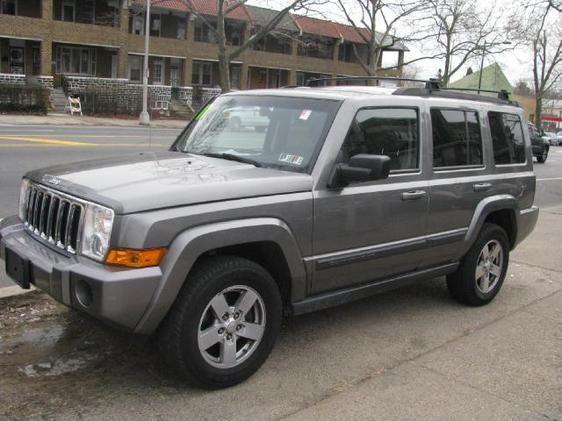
{"x": 280, "y": 202}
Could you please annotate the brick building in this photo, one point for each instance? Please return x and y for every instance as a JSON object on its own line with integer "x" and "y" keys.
{"x": 89, "y": 39}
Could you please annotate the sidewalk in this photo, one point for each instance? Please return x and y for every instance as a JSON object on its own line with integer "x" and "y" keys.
{"x": 68, "y": 120}
{"x": 408, "y": 354}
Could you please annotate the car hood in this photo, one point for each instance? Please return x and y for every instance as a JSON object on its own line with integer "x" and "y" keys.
{"x": 155, "y": 180}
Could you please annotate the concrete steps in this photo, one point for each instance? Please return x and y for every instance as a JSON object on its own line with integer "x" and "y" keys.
{"x": 58, "y": 100}
{"x": 180, "y": 110}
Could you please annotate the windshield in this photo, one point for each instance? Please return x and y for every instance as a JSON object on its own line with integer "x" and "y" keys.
{"x": 268, "y": 131}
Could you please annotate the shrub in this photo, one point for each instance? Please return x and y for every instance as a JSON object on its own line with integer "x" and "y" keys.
{"x": 23, "y": 99}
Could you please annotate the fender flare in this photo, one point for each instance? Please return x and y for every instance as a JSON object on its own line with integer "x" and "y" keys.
{"x": 189, "y": 245}
{"x": 485, "y": 208}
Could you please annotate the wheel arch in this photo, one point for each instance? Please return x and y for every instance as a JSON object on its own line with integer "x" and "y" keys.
{"x": 272, "y": 245}
{"x": 501, "y": 210}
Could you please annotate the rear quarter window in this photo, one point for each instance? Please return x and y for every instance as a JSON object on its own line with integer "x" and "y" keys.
{"x": 507, "y": 138}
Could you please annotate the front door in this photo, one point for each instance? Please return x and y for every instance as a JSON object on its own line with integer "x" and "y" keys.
{"x": 372, "y": 230}
{"x": 158, "y": 72}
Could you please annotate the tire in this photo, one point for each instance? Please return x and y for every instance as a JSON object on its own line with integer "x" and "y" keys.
{"x": 218, "y": 284}
{"x": 464, "y": 285}
{"x": 542, "y": 158}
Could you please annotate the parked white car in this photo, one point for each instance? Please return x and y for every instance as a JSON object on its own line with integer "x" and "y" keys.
{"x": 552, "y": 138}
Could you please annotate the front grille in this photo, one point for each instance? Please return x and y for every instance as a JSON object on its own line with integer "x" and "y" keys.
{"x": 54, "y": 217}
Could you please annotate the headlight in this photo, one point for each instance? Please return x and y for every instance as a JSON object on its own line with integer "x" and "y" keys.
{"x": 98, "y": 222}
{"x": 24, "y": 190}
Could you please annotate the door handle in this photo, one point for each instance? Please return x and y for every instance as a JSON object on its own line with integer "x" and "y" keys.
{"x": 482, "y": 186}
{"x": 414, "y": 195}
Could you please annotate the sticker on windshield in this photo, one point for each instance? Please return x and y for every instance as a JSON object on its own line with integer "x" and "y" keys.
{"x": 305, "y": 114}
{"x": 291, "y": 159}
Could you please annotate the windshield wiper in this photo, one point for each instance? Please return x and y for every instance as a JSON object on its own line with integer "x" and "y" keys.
{"x": 233, "y": 157}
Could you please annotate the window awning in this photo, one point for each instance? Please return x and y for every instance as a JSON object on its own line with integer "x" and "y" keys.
{"x": 551, "y": 118}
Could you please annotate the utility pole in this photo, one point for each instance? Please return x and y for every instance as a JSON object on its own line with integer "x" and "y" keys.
{"x": 482, "y": 63}
{"x": 481, "y": 67}
{"x": 144, "y": 118}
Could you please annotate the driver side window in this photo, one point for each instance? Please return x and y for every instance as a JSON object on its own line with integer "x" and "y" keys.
{"x": 393, "y": 132}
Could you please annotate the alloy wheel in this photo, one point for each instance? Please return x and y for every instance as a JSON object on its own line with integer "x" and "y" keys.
{"x": 231, "y": 327}
{"x": 489, "y": 266}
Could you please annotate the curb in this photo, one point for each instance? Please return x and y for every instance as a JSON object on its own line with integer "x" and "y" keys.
{"x": 13, "y": 291}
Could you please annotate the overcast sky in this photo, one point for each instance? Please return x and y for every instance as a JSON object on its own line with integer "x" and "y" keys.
{"x": 517, "y": 64}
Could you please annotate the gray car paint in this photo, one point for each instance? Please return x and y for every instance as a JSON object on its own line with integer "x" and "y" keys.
{"x": 193, "y": 204}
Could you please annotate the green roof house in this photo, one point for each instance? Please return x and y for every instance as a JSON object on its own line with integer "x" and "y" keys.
{"x": 493, "y": 79}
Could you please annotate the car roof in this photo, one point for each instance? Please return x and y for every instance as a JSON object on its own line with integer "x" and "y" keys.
{"x": 355, "y": 93}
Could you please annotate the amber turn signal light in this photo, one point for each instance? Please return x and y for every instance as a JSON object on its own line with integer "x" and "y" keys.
{"x": 135, "y": 258}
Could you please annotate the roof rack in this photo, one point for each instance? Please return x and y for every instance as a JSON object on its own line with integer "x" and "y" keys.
{"x": 431, "y": 84}
{"x": 502, "y": 94}
{"x": 431, "y": 87}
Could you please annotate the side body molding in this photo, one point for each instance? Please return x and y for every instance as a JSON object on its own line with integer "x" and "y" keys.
{"x": 192, "y": 243}
{"x": 485, "y": 208}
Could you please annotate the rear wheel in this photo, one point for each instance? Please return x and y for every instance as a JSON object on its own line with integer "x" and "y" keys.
{"x": 542, "y": 157}
{"x": 482, "y": 270}
{"x": 224, "y": 322}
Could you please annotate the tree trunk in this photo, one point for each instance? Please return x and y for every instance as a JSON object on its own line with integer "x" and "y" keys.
{"x": 224, "y": 58}
{"x": 224, "y": 71}
{"x": 538, "y": 111}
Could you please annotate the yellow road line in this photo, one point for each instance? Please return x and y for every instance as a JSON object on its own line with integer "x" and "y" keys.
{"x": 47, "y": 141}
{"x": 47, "y": 145}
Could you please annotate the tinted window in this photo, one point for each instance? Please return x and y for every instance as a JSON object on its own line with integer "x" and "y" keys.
{"x": 507, "y": 138}
{"x": 456, "y": 138}
{"x": 392, "y": 132}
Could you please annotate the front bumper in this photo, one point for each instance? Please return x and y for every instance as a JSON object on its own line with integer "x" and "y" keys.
{"x": 119, "y": 296}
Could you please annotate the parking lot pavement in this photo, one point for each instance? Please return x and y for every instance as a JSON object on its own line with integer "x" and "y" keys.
{"x": 408, "y": 354}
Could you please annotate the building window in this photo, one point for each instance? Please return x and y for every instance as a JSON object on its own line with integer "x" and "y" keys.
{"x": 155, "y": 25}
{"x": 68, "y": 11}
{"x": 158, "y": 70}
{"x": 456, "y": 138}
{"x": 507, "y": 138}
{"x": 202, "y": 73}
{"x": 75, "y": 60}
{"x": 202, "y": 32}
{"x": 135, "y": 68}
{"x": 9, "y": 7}
{"x": 280, "y": 44}
{"x": 182, "y": 29}
{"x": 138, "y": 25}
{"x": 316, "y": 47}
{"x": 235, "y": 73}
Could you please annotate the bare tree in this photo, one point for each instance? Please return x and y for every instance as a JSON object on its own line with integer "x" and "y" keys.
{"x": 547, "y": 61}
{"x": 226, "y": 53}
{"x": 543, "y": 34}
{"x": 463, "y": 31}
{"x": 377, "y": 25}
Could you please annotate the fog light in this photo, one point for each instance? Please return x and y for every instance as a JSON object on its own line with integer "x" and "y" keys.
{"x": 84, "y": 294}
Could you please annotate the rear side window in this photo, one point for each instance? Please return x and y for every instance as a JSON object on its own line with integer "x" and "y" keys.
{"x": 507, "y": 138}
{"x": 385, "y": 131}
{"x": 456, "y": 138}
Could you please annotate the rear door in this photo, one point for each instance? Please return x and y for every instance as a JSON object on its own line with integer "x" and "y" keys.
{"x": 460, "y": 179}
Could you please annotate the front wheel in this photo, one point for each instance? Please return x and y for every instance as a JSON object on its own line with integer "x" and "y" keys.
{"x": 224, "y": 322}
{"x": 482, "y": 270}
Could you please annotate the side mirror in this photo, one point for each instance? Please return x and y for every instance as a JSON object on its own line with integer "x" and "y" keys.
{"x": 361, "y": 168}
